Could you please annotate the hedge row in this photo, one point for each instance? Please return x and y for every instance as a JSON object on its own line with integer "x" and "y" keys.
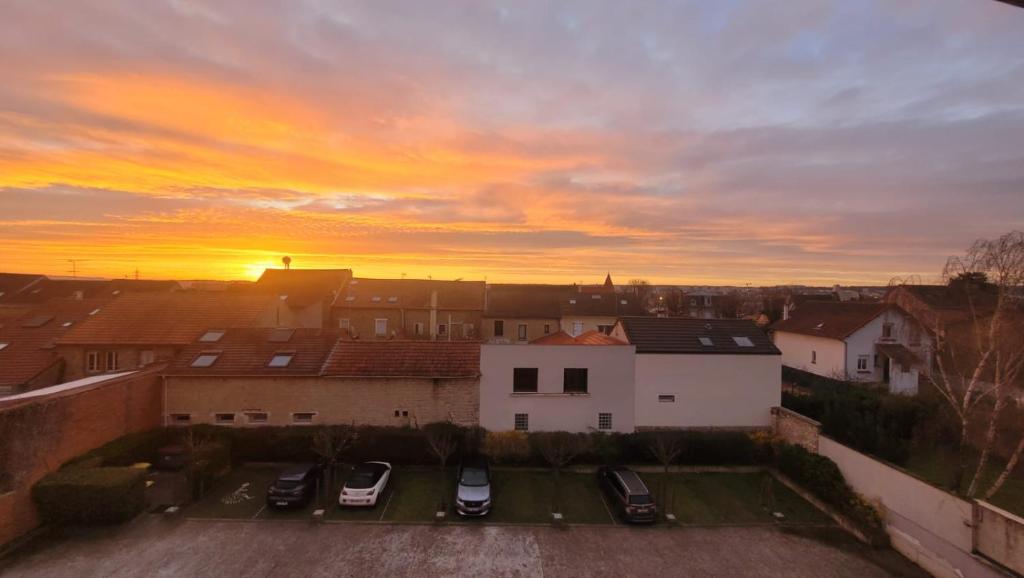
{"x": 126, "y": 450}
{"x": 91, "y": 495}
{"x": 821, "y": 476}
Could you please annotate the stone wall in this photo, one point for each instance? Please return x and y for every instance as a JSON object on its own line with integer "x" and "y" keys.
{"x": 42, "y": 430}
{"x": 795, "y": 428}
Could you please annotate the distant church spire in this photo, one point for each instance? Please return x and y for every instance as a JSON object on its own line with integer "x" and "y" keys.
{"x": 608, "y": 280}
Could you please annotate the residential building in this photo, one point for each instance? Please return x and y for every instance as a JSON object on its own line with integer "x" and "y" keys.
{"x": 558, "y": 382}
{"x": 702, "y": 373}
{"x": 138, "y": 329}
{"x": 596, "y": 308}
{"x": 522, "y": 313}
{"x": 304, "y": 296}
{"x": 410, "y": 309}
{"x": 853, "y": 341}
{"x": 41, "y": 289}
{"x": 275, "y": 377}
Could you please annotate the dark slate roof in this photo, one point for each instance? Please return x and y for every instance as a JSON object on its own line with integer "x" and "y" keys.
{"x": 362, "y": 293}
{"x": 246, "y": 351}
{"x": 404, "y": 358}
{"x": 833, "y": 320}
{"x": 303, "y": 287}
{"x": 13, "y": 283}
{"x": 601, "y": 305}
{"x": 46, "y": 288}
{"x": 526, "y": 301}
{"x": 682, "y": 335}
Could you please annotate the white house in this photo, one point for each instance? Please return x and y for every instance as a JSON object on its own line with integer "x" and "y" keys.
{"x": 558, "y": 383}
{"x": 863, "y": 342}
{"x": 702, "y": 373}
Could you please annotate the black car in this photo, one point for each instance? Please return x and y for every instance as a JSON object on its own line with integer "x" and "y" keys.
{"x": 629, "y": 495}
{"x": 295, "y": 486}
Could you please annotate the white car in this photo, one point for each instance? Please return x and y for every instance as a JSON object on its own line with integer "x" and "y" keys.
{"x": 365, "y": 485}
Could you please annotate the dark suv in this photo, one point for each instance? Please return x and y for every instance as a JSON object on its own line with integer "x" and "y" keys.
{"x": 629, "y": 496}
{"x": 295, "y": 486}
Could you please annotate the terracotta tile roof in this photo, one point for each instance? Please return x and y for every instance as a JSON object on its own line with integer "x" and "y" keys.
{"x": 412, "y": 358}
{"x": 304, "y": 286}
{"x": 833, "y": 320}
{"x": 46, "y": 288}
{"x": 30, "y": 332}
{"x": 167, "y": 318}
{"x": 364, "y": 293}
{"x": 696, "y": 336}
{"x": 526, "y": 301}
{"x": 248, "y": 351}
{"x": 592, "y": 337}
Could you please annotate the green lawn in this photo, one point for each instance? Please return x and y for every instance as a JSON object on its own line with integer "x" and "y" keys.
{"x": 937, "y": 467}
{"x": 528, "y": 497}
{"x": 728, "y": 498}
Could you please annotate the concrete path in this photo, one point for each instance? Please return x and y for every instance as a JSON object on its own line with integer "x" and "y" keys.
{"x": 152, "y": 546}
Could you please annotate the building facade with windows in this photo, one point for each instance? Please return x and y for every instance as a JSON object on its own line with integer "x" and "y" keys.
{"x": 862, "y": 342}
{"x": 558, "y": 383}
{"x": 702, "y": 373}
{"x": 521, "y": 313}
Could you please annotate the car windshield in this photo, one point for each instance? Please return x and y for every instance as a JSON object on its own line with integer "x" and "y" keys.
{"x": 640, "y": 500}
{"x": 362, "y": 479}
{"x": 473, "y": 477}
{"x": 287, "y": 484}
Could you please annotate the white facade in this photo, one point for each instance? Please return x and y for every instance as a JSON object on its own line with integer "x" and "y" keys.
{"x": 683, "y": 390}
{"x": 610, "y": 390}
{"x": 818, "y": 355}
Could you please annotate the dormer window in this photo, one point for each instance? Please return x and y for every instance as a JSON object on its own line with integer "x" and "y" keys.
{"x": 743, "y": 341}
{"x": 206, "y": 359}
{"x": 212, "y": 336}
{"x": 281, "y": 359}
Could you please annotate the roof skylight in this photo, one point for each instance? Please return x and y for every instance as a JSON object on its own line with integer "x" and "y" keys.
{"x": 281, "y": 359}
{"x": 743, "y": 341}
{"x": 706, "y": 341}
{"x": 3, "y": 346}
{"x": 205, "y": 359}
{"x": 212, "y": 336}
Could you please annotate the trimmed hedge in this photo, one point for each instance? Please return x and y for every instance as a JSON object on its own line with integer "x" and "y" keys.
{"x": 821, "y": 476}
{"x": 125, "y": 450}
{"x": 91, "y": 495}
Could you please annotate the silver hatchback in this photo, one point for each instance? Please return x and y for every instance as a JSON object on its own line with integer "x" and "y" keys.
{"x": 473, "y": 494}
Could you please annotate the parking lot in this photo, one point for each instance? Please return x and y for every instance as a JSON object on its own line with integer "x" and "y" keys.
{"x": 520, "y": 496}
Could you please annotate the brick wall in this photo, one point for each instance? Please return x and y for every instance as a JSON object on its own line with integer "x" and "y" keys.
{"x": 365, "y": 401}
{"x": 38, "y": 434}
{"x": 795, "y": 428}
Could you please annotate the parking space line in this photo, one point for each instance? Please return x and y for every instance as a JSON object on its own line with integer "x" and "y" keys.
{"x": 386, "y": 504}
{"x": 264, "y": 507}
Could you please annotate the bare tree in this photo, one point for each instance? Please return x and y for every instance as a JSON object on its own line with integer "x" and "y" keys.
{"x": 331, "y": 443}
{"x": 980, "y": 354}
{"x": 641, "y": 289}
{"x": 194, "y": 443}
{"x": 666, "y": 447}
{"x": 442, "y": 437}
{"x": 559, "y": 448}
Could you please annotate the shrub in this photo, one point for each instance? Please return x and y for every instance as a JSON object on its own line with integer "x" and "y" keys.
{"x": 125, "y": 450}
{"x": 91, "y": 495}
{"x": 507, "y": 447}
{"x": 821, "y": 476}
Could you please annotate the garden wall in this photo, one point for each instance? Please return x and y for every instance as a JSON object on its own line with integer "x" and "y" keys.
{"x": 1000, "y": 536}
{"x": 42, "y": 429}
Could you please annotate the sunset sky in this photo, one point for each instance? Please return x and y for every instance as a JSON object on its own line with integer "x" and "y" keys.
{"x": 724, "y": 142}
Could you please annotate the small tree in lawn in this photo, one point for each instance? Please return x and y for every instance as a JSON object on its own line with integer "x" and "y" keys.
{"x": 194, "y": 443}
{"x": 559, "y": 448}
{"x": 330, "y": 443}
{"x": 666, "y": 447}
{"x": 442, "y": 437}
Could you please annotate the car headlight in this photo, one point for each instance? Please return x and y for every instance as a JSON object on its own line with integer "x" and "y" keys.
{"x": 460, "y": 501}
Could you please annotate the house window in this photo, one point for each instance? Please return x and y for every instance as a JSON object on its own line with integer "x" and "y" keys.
{"x": 887, "y": 331}
{"x": 212, "y": 336}
{"x": 522, "y": 422}
{"x": 666, "y": 398}
{"x": 345, "y": 324}
{"x": 574, "y": 380}
{"x": 224, "y": 418}
{"x": 524, "y": 380}
{"x": 417, "y": 328}
{"x": 112, "y": 361}
{"x": 862, "y": 363}
{"x": 604, "y": 421}
{"x": 606, "y": 329}
{"x": 303, "y": 417}
{"x": 468, "y": 329}
{"x": 499, "y": 328}
{"x": 522, "y": 332}
{"x": 442, "y": 329}
{"x": 256, "y": 416}
{"x": 181, "y": 418}
{"x": 92, "y": 361}
{"x": 281, "y": 359}
{"x": 577, "y": 328}
{"x": 146, "y": 356}
{"x": 205, "y": 359}
{"x": 814, "y": 357}
{"x": 743, "y": 341}
{"x": 547, "y": 329}
{"x": 401, "y": 413}
{"x": 380, "y": 327}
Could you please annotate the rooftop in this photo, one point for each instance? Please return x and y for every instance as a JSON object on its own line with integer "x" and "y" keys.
{"x": 696, "y": 336}
{"x": 257, "y": 351}
{"x": 362, "y": 293}
{"x": 591, "y": 337}
{"x": 303, "y": 287}
{"x": 402, "y": 358}
{"x": 526, "y": 301}
{"x": 831, "y": 319}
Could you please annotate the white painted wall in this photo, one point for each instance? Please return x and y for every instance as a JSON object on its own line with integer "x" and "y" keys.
{"x": 576, "y": 324}
{"x": 796, "y": 353}
{"x": 710, "y": 390}
{"x": 610, "y": 386}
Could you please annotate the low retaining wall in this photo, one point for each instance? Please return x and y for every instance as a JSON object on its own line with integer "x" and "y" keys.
{"x": 999, "y": 536}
